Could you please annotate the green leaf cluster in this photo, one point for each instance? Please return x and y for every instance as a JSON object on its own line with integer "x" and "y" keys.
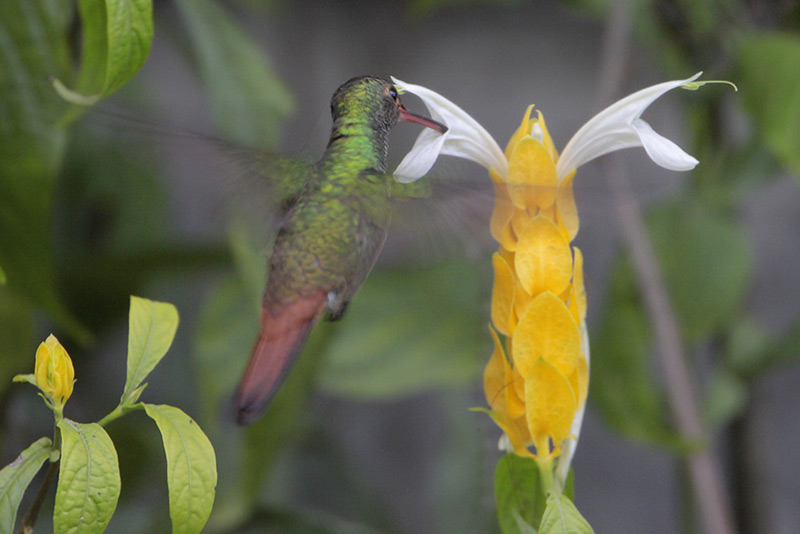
{"x": 83, "y": 214}
{"x": 523, "y": 507}
{"x": 88, "y": 467}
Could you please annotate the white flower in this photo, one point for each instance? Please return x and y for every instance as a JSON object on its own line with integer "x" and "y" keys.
{"x": 464, "y": 138}
{"x": 620, "y": 126}
{"x": 616, "y": 127}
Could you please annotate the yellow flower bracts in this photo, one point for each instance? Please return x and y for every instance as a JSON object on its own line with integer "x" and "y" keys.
{"x": 537, "y": 378}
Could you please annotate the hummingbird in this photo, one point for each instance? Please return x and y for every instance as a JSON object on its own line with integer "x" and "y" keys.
{"x": 333, "y": 228}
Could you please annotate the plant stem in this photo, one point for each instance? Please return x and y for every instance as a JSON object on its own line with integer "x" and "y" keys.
{"x": 545, "y": 465}
{"x": 115, "y": 414}
{"x": 703, "y": 470}
{"x": 29, "y": 519}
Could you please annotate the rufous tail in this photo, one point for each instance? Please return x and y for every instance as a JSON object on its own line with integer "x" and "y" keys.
{"x": 281, "y": 338}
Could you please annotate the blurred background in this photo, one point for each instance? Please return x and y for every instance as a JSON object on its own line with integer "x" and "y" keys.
{"x": 373, "y": 432}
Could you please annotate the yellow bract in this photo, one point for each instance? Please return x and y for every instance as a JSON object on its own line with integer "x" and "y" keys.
{"x": 537, "y": 379}
{"x": 551, "y": 404}
{"x": 53, "y": 372}
{"x": 543, "y": 258}
{"x": 503, "y": 293}
{"x": 547, "y": 330}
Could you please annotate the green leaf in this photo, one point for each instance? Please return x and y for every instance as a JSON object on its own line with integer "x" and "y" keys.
{"x": 727, "y": 397}
{"x": 622, "y": 388}
{"x": 152, "y": 327}
{"x": 16, "y": 336}
{"x": 408, "y": 331}
{"x": 225, "y": 333}
{"x": 88, "y": 479}
{"x": 191, "y": 468}
{"x": 518, "y": 493}
{"x": 770, "y": 86}
{"x": 15, "y": 478}
{"x": 35, "y": 44}
{"x": 246, "y": 97}
{"x": 747, "y": 342}
{"x": 561, "y": 517}
{"x": 117, "y": 35}
{"x": 707, "y": 265}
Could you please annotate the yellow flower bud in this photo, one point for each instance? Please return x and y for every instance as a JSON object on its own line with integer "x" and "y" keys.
{"x": 54, "y": 373}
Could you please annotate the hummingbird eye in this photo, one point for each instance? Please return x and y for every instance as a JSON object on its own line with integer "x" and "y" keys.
{"x": 393, "y": 93}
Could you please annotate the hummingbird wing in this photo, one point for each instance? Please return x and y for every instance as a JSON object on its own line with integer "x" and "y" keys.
{"x": 281, "y": 338}
{"x": 447, "y": 213}
{"x": 261, "y": 180}
{"x": 439, "y": 217}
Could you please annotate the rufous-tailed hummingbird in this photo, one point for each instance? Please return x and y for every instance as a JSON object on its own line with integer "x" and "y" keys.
{"x": 333, "y": 230}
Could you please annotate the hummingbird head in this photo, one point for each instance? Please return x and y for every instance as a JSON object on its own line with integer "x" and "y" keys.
{"x": 377, "y": 101}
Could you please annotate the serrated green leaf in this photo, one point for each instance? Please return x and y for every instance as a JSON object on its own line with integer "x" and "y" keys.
{"x": 561, "y": 517}
{"x": 117, "y": 35}
{"x": 191, "y": 468}
{"x": 246, "y": 97}
{"x": 152, "y": 327}
{"x": 408, "y": 331}
{"x": 15, "y": 478}
{"x": 770, "y": 86}
{"x": 518, "y": 493}
{"x": 88, "y": 479}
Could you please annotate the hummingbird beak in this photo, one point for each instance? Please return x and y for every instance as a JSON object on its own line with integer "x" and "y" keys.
{"x": 407, "y": 116}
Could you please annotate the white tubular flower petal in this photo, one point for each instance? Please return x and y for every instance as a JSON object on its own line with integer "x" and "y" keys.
{"x": 465, "y": 138}
{"x": 661, "y": 150}
{"x": 619, "y": 126}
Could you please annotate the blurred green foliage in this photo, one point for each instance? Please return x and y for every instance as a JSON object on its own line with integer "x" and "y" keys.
{"x": 84, "y": 224}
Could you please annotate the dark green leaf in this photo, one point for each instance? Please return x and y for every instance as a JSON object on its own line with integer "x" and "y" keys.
{"x": 622, "y": 388}
{"x": 706, "y": 262}
{"x": 770, "y": 85}
{"x": 518, "y": 493}
{"x": 34, "y": 43}
{"x": 88, "y": 479}
{"x": 408, "y": 331}
{"x": 747, "y": 344}
{"x": 726, "y": 398}
{"x": 15, "y": 478}
{"x": 247, "y": 99}
{"x": 225, "y": 333}
{"x": 769, "y": 353}
{"x": 17, "y": 345}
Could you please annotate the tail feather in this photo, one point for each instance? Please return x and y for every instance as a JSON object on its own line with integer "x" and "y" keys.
{"x": 281, "y": 338}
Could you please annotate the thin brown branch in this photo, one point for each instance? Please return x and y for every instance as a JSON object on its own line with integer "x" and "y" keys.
{"x": 712, "y": 501}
